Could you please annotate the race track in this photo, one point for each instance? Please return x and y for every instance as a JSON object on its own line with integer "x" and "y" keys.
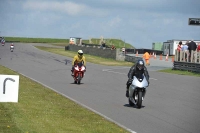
{"x": 171, "y": 105}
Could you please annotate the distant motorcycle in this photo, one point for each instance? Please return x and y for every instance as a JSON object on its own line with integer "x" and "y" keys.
{"x": 79, "y": 71}
{"x": 137, "y": 90}
{"x": 2, "y": 43}
{"x": 11, "y": 48}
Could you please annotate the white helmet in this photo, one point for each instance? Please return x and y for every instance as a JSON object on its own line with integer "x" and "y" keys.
{"x": 80, "y": 52}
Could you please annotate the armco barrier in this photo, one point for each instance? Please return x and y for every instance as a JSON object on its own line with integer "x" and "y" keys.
{"x": 115, "y": 54}
{"x": 96, "y": 51}
{"x": 131, "y": 58}
{"x": 188, "y": 66}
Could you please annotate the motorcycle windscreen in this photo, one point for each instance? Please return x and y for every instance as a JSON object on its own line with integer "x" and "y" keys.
{"x": 140, "y": 81}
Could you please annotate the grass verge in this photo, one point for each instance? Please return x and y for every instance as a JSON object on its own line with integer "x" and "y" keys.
{"x": 63, "y": 42}
{"x": 89, "y": 58}
{"x": 180, "y": 72}
{"x": 41, "y": 110}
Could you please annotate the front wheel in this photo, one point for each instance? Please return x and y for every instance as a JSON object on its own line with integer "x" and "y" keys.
{"x": 139, "y": 99}
{"x": 79, "y": 78}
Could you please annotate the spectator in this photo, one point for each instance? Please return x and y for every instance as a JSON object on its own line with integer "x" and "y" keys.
{"x": 198, "y": 48}
{"x": 184, "y": 47}
{"x": 123, "y": 51}
{"x": 179, "y": 49}
{"x": 185, "y": 50}
{"x": 103, "y": 45}
{"x": 192, "y": 46}
{"x": 146, "y": 56}
{"x": 179, "y": 46}
{"x": 113, "y": 47}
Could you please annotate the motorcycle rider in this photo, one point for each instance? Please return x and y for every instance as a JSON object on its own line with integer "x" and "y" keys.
{"x": 11, "y": 46}
{"x": 136, "y": 69}
{"x": 79, "y": 58}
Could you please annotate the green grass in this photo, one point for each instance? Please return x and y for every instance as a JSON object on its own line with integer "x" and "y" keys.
{"x": 180, "y": 72}
{"x": 116, "y": 42}
{"x": 41, "y": 110}
{"x": 63, "y": 42}
{"x": 36, "y": 40}
{"x": 89, "y": 58}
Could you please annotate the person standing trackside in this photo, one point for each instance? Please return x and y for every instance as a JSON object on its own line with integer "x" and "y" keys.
{"x": 185, "y": 50}
{"x": 179, "y": 49}
{"x": 146, "y": 56}
{"x": 179, "y": 46}
{"x": 184, "y": 47}
{"x": 192, "y": 46}
{"x": 198, "y": 47}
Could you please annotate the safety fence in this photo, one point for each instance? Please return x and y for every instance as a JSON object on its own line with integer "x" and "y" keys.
{"x": 188, "y": 66}
{"x": 133, "y": 59}
{"x": 91, "y": 50}
{"x": 185, "y": 56}
{"x": 186, "y": 61}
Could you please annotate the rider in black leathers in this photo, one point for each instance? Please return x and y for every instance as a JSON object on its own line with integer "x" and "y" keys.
{"x": 136, "y": 69}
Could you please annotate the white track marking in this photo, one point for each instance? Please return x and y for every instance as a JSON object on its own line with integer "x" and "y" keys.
{"x": 153, "y": 78}
{"x": 109, "y": 70}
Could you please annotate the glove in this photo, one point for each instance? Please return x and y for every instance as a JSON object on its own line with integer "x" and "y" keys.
{"x": 130, "y": 81}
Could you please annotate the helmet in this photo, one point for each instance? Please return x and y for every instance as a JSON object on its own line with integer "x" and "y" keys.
{"x": 140, "y": 64}
{"x": 80, "y": 53}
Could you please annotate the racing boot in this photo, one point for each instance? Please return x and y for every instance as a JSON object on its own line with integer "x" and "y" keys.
{"x": 127, "y": 92}
{"x": 72, "y": 73}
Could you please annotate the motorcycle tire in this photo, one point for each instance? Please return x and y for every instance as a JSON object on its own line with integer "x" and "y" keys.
{"x": 79, "y": 79}
{"x": 139, "y": 100}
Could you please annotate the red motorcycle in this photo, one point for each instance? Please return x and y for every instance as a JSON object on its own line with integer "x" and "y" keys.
{"x": 79, "y": 71}
{"x": 2, "y": 43}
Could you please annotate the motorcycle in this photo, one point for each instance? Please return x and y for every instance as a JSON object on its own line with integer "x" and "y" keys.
{"x": 137, "y": 90}
{"x": 2, "y": 43}
{"x": 11, "y": 48}
{"x": 79, "y": 71}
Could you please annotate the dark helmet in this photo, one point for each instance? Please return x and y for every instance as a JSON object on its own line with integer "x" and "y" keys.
{"x": 140, "y": 64}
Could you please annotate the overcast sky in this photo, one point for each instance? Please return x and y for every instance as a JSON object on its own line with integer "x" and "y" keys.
{"x": 138, "y": 22}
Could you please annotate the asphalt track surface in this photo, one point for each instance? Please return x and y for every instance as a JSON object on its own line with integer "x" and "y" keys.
{"x": 171, "y": 105}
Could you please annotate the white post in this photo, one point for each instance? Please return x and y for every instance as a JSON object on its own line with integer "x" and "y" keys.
{"x": 191, "y": 56}
{"x": 181, "y": 53}
{"x": 195, "y": 56}
{"x": 187, "y": 56}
